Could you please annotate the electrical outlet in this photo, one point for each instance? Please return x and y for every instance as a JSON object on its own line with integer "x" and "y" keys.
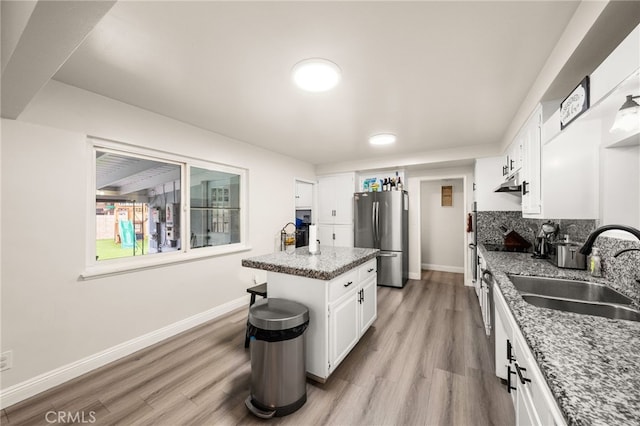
{"x": 6, "y": 360}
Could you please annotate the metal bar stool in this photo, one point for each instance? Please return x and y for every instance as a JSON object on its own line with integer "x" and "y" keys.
{"x": 259, "y": 290}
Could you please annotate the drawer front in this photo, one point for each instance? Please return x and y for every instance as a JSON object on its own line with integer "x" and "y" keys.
{"x": 343, "y": 284}
{"x": 367, "y": 270}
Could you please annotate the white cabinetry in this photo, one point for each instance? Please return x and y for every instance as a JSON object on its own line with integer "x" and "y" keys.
{"x": 335, "y": 199}
{"x": 304, "y": 195}
{"x": 530, "y": 140}
{"x": 335, "y": 207}
{"x": 513, "y": 162}
{"x": 570, "y": 172}
{"x": 352, "y": 310}
{"x": 534, "y": 404}
{"x": 335, "y": 235}
{"x": 488, "y": 176}
{"x": 344, "y": 323}
{"x": 340, "y": 312}
{"x": 343, "y": 328}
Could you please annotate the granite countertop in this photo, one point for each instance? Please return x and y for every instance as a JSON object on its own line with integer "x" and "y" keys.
{"x": 331, "y": 262}
{"x": 591, "y": 364}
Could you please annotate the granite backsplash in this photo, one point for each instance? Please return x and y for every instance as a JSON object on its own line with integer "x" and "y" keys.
{"x": 621, "y": 272}
{"x": 489, "y": 223}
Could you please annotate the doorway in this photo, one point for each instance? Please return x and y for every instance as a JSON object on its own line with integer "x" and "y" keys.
{"x": 442, "y": 233}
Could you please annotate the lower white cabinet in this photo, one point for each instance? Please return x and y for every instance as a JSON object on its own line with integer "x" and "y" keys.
{"x": 344, "y": 327}
{"x": 533, "y": 402}
{"x": 351, "y": 315}
{"x": 340, "y": 312}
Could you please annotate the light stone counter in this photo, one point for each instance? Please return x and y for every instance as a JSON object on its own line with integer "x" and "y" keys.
{"x": 591, "y": 364}
{"x": 331, "y": 262}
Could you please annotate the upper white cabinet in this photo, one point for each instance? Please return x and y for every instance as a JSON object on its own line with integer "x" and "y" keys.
{"x": 513, "y": 157}
{"x": 488, "y": 176}
{"x": 335, "y": 199}
{"x": 570, "y": 172}
{"x": 530, "y": 140}
{"x": 589, "y": 171}
{"x": 304, "y": 195}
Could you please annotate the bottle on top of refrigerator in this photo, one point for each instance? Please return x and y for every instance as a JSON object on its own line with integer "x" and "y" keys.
{"x": 399, "y": 184}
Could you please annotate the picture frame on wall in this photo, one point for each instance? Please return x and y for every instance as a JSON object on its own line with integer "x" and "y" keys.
{"x": 575, "y": 104}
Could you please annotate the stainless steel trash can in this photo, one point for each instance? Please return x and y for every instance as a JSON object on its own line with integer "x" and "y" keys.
{"x": 276, "y": 344}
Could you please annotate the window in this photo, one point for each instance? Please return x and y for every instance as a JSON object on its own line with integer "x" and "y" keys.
{"x": 140, "y": 196}
{"x": 215, "y": 208}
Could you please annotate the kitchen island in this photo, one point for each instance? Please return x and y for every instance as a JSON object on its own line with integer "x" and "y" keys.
{"x": 589, "y": 363}
{"x": 338, "y": 286}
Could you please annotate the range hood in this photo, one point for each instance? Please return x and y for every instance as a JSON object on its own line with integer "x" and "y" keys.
{"x": 510, "y": 185}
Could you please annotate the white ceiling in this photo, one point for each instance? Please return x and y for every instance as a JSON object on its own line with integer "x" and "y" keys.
{"x": 440, "y": 75}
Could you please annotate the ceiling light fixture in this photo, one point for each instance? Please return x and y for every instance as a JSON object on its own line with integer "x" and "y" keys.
{"x": 316, "y": 75}
{"x": 628, "y": 116}
{"x": 382, "y": 139}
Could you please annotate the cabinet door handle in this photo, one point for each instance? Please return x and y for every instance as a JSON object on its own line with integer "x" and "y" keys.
{"x": 519, "y": 370}
{"x": 525, "y": 191}
{"x": 509, "y": 351}
{"x": 509, "y": 373}
{"x": 348, "y": 284}
{"x": 370, "y": 270}
{"x": 362, "y": 295}
{"x": 511, "y": 164}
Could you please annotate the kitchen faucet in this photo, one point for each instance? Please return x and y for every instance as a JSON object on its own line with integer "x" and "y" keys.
{"x": 586, "y": 248}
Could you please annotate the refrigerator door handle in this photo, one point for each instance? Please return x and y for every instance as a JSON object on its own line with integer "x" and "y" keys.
{"x": 387, "y": 254}
{"x": 377, "y": 221}
{"x": 373, "y": 221}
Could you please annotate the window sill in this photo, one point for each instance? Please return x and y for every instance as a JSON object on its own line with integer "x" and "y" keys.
{"x": 158, "y": 261}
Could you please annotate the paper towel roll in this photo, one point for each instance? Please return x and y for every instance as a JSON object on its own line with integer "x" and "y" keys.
{"x": 313, "y": 239}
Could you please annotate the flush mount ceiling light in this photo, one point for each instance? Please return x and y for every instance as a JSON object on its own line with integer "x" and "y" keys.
{"x": 382, "y": 139}
{"x": 628, "y": 116}
{"x": 316, "y": 75}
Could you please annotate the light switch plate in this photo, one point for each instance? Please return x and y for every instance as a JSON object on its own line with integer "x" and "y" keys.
{"x": 6, "y": 360}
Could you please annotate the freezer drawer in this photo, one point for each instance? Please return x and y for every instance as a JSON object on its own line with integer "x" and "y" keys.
{"x": 391, "y": 269}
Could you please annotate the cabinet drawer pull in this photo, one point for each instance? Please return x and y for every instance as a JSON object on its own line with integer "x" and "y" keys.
{"x": 370, "y": 270}
{"x": 348, "y": 284}
{"x": 510, "y": 357}
{"x": 523, "y": 379}
{"x": 509, "y": 373}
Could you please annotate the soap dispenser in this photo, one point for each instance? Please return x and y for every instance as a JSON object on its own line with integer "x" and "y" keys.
{"x": 595, "y": 264}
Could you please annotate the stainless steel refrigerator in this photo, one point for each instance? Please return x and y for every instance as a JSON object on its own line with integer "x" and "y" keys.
{"x": 381, "y": 221}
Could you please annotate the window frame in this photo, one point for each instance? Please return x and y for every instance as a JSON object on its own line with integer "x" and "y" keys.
{"x": 94, "y": 268}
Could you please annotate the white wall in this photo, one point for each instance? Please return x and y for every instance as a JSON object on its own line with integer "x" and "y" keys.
{"x": 442, "y": 227}
{"x": 51, "y": 318}
{"x": 414, "y": 181}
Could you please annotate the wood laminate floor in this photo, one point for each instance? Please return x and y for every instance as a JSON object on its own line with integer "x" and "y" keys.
{"x": 425, "y": 360}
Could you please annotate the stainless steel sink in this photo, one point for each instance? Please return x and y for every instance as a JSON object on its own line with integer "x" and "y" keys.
{"x": 580, "y": 297}
{"x": 568, "y": 289}
{"x": 580, "y": 307}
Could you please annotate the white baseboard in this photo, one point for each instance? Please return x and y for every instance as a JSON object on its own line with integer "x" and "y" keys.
{"x": 443, "y": 268}
{"x": 48, "y": 380}
{"x": 415, "y": 275}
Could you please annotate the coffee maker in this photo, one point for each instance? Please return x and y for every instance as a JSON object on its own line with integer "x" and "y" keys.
{"x": 542, "y": 247}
